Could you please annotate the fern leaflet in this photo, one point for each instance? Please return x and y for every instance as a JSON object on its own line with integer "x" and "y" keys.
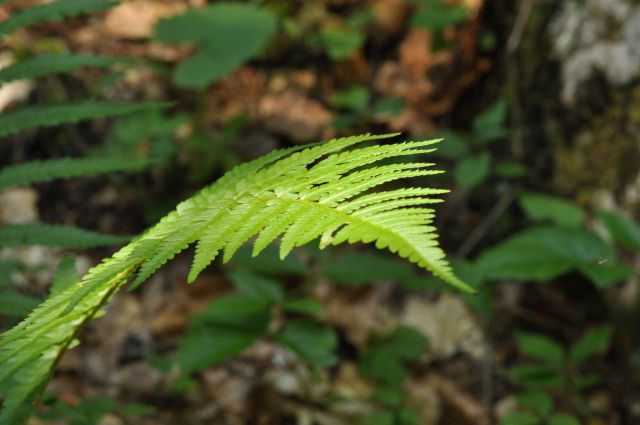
{"x": 52, "y": 64}
{"x": 62, "y": 113}
{"x": 55, "y": 11}
{"x": 64, "y": 168}
{"x": 55, "y": 236}
{"x": 299, "y": 194}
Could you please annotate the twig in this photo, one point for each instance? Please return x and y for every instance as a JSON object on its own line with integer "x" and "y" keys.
{"x": 513, "y": 45}
{"x": 481, "y": 229}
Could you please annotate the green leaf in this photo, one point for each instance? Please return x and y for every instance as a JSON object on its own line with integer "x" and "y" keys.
{"x": 340, "y": 43}
{"x": 52, "y": 115}
{"x": 520, "y": 418}
{"x": 541, "y": 347}
{"x": 7, "y": 267}
{"x": 538, "y": 377}
{"x": 540, "y": 402}
{"x": 304, "y": 306}
{"x": 378, "y": 418}
{"x": 605, "y": 275}
{"x": 390, "y": 396}
{"x": 65, "y": 276}
{"x": 563, "y": 420}
{"x": 542, "y": 253}
{"x": 257, "y": 286}
{"x": 55, "y": 236}
{"x": 622, "y": 229}
{"x": 54, "y": 11}
{"x": 382, "y": 365}
{"x": 472, "y": 170}
{"x": 227, "y": 326}
{"x": 594, "y": 342}
{"x": 454, "y": 145}
{"x": 540, "y": 207}
{"x": 269, "y": 262}
{"x": 510, "y": 169}
{"x": 407, "y": 343}
{"x": 362, "y": 268}
{"x": 310, "y": 340}
{"x": 227, "y": 34}
{"x": 438, "y": 16}
{"x": 65, "y": 168}
{"x": 489, "y": 125}
{"x": 355, "y": 98}
{"x": 16, "y": 304}
{"x": 55, "y": 63}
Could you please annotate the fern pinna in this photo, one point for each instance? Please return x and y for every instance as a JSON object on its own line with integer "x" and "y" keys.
{"x": 299, "y": 194}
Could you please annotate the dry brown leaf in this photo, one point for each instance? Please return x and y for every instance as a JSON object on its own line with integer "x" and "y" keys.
{"x": 296, "y": 115}
{"x": 135, "y": 19}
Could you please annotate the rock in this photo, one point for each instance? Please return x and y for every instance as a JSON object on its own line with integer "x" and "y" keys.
{"x": 448, "y": 324}
{"x": 18, "y": 206}
{"x": 596, "y": 36}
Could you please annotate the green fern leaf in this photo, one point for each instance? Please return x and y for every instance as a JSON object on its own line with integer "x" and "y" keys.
{"x": 53, "y": 12}
{"x": 62, "y": 113}
{"x": 15, "y": 304}
{"x": 54, "y": 236}
{"x": 52, "y": 64}
{"x": 299, "y": 194}
{"x": 64, "y": 168}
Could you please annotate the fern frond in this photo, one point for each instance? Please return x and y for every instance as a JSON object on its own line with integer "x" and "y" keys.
{"x": 15, "y": 304}
{"x": 52, "y": 64}
{"x": 55, "y": 236}
{"x": 55, "y": 11}
{"x": 64, "y": 168}
{"x": 299, "y": 194}
{"x": 63, "y": 113}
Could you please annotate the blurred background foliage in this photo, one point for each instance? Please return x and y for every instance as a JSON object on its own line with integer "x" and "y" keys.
{"x": 538, "y": 104}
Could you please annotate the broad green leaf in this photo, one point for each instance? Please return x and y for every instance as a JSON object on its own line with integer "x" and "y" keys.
{"x": 540, "y": 347}
{"x": 362, "y": 268}
{"x": 540, "y": 402}
{"x": 378, "y": 418}
{"x": 560, "y": 419}
{"x": 540, "y": 207}
{"x": 310, "y": 340}
{"x": 269, "y": 262}
{"x": 622, "y": 229}
{"x": 437, "y": 15}
{"x": 407, "y": 343}
{"x": 355, "y": 98}
{"x": 606, "y": 275}
{"x": 382, "y": 365}
{"x": 490, "y": 125}
{"x": 592, "y": 343}
{"x": 303, "y": 306}
{"x": 472, "y": 170}
{"x": 227, "y": 35}
{"x": 520, "y": 418}
{"x": 227, "y": 326}
{"x": 538, "y": 377}
{"x": 542, "y": 253}
{"x": 257, "y": 286}
{"x": 454, "y": 145}
{"x": 340, "y": 43}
